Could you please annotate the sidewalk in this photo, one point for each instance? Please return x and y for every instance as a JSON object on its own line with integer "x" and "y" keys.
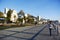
{"x": 28, "y": 33}
{"x": 44, "y": 35}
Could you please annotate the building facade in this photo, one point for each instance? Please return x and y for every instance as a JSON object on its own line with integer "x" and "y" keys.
{"x": 14, "y": 15}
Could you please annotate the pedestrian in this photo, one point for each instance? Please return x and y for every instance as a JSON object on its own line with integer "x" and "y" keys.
{"x": 50, "y": 27}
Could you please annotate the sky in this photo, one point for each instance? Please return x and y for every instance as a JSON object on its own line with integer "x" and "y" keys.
{"x": 48, "y": 9}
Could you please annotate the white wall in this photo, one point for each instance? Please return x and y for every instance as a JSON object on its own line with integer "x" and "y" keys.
{"x": 14, "y": 13}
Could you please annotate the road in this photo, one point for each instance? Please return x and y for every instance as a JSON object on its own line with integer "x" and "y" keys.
{"x": 38, "y": 32}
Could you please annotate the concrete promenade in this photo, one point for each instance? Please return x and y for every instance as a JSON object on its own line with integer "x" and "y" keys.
{"x": 39, "y": 32}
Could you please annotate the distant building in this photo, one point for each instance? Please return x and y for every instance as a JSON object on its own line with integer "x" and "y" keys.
{"x": 59, "y": 21}
{"x": 6, "y": 11}
{"x": 40, "y": 17}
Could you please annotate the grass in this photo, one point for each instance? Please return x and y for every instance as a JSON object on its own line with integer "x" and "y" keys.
{"x": 6, "y": 26}
{"x": 3, "y": 27}
{"x": 12, "y": 26}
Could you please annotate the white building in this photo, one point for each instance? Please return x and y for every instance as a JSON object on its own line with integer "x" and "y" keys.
{"x": 26, "y": 15}
{"x": 40, "y": 17}
{"x": 14, "y": 15}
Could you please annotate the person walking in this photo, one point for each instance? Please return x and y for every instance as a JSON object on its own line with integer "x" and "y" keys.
{"x": 50, "y": 27}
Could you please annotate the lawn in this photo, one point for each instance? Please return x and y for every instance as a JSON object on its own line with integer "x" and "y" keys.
{"x": 6, "y": 26}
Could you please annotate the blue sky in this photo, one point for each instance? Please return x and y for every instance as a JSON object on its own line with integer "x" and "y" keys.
{"x": 49, "y": 9}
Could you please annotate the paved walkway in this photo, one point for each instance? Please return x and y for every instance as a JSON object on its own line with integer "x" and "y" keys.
{"x": 27, "y": 33}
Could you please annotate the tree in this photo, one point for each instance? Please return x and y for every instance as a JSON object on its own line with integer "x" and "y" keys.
{"x": 2, "y": 18}
{"x": 1, "y": 15}
{"x": 21, "y": 13}
{"x": 21, "y": 16}
{"x": 20, "y": 19}
{"x": 9, "y": 15}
